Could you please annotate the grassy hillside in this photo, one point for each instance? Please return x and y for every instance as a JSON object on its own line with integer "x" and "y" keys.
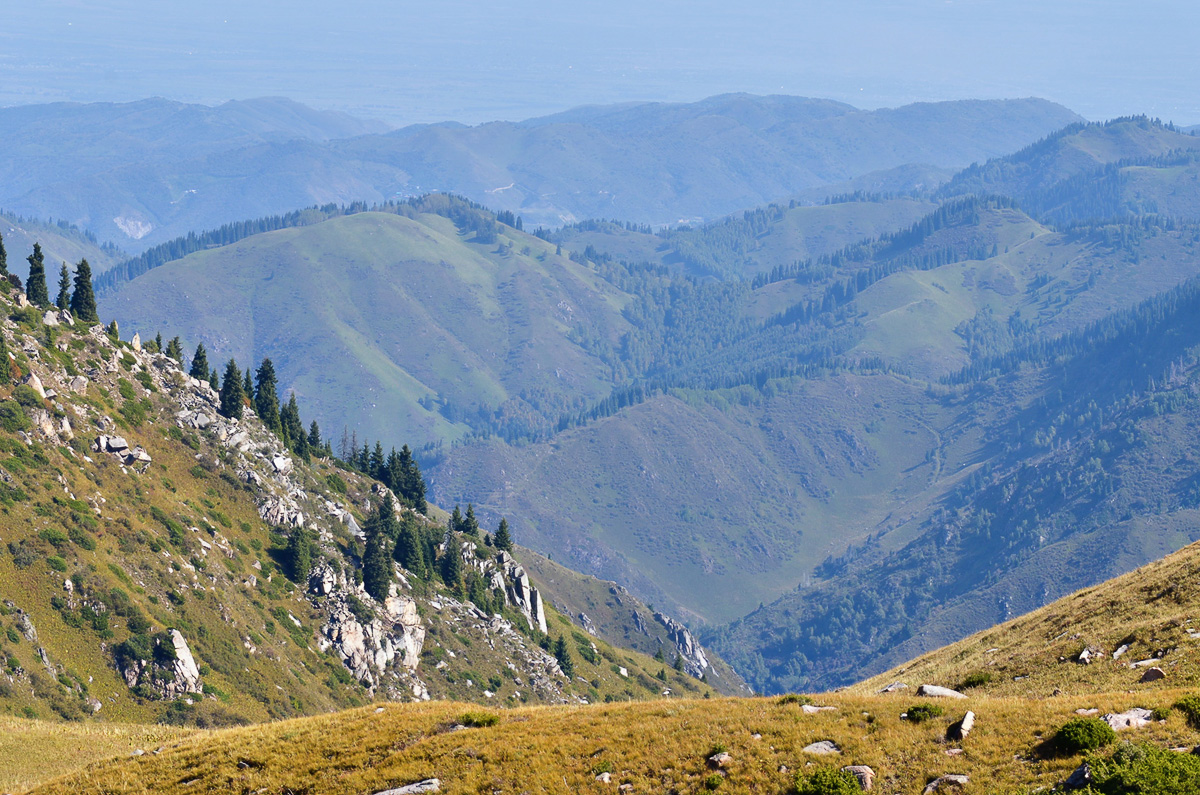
{"x": 656, "y": 747}
{"x": 108, "y": 558}
{"x": 1150, "y": 612}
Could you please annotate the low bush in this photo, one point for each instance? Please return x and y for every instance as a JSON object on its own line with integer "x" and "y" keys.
{"x": 919, "y": 713}
{"x": 1190, "y": 707}
{"x": 828, "y": 781}
{"x": 1082, "y": 734}
{"x": 1145, "y": 768}
{"x": 478, "y": 720}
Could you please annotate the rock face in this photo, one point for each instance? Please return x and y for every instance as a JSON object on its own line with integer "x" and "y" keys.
{"x": 935, "y": 691}
{"x": 369, "y": 647}
{"x": 520, "y": 593}
{"x": 173, "y": 671}
{"x": 694, "y": 661}
{"x": 281, "y": 512}
{"x": 1130, "y": 719}
{"x": 864, "y": 774}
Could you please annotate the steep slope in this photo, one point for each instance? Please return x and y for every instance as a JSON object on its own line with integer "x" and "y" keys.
{"x": 152, "y": 566}
{"x": 1127, "y": 625}
{"x": 189, "y": 167}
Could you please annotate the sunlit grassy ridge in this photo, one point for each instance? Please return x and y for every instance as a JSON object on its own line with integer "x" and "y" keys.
{"x": 656, "y": 746}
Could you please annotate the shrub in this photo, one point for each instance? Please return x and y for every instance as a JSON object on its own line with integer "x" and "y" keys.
{"x": 602, "y": 767}
{"x": 27, "y": 397}
{"x": 828, "y": 781}
{"x": 1082, "y": 734}
{"x": 478, "y": 720}
{"x": 977, "y": 679}
{"x": 12, "y": 417}
{"x": 1190, "y": 707}
{"x": 713, "y": 781}
{"x": 918, "y": 713}
{"x": 793, "y": 698}
{"x": 1145, "y": 768}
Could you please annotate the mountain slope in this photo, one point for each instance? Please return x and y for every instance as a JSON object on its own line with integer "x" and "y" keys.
{"x": 150, "y": 568}
{"x": 60, "y": 243}
{"x": 188, "y": 167}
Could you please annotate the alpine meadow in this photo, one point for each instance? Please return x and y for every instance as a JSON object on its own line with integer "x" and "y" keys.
{"x": 775, "y": 399}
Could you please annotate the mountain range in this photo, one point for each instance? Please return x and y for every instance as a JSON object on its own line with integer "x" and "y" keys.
{"x": 142, "y": 173}
{"x": 789, "y": 434}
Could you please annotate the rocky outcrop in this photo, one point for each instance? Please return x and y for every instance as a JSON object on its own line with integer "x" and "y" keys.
{"x": 520, "y": 593}
{"x": 117, "y": 447}
{"x": 694, "y": 660}
{"x": 1129, "y": 719}
{"x": 428, "y": 785}
{"x": 281, "y": 512}
{"x": 171, "y": 672}
{"x": 822, "y": 747}
{"x": 369, "y": 646}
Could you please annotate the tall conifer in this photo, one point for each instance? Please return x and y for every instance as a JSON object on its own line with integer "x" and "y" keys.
{"x": 35, "y": 285}
{"x": 231, "y": 391}
{"x": 266, "y": 397}
{"x": 83, "y": 299}
{"x": 63, "y": 300}
{"x": 199, "y": 369}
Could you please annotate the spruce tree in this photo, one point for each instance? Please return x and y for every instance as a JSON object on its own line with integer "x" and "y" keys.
{"x": 299, "y": 555}
{"x": 248, "y": 388}
{"x": 35, "y": 285}
{"x": 409, "y": 551}
{"x": 3, "y": 260}
{"x": 158, "y": 346}
{"x": 678, "y": 662}
{"x": 455, "y": 523}
{"x": 83, "y": 300}
{"x": 470, "y": 524}
{"x": 376, "y": 467}
{"x": 231, "y": 391}
{"x": 289, "y": 422}
{"x": 452, "y": 563}
{"x": 63, "y": 301}
{"x": 377, "y": 559}
{"x": 175, "y": 350}
{"x": 266, "y": 398}
{"x": 199, "y": 369}
{"x": 213, "y": 381}
{"x": 502, "y": 539}
{"x": 563, "y": 655}
{"x": 114, "y": 333}
{"x": 5, "y": 363}
{"x": 314, "y": 437}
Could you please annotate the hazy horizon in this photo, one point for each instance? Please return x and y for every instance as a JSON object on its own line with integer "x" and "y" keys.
{"x": 403, "y": 63}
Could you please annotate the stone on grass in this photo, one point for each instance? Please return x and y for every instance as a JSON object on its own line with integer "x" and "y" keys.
{"x": 960, "y": 730}
{"x": 950, "y": 781}
{"x": 1153, "y": 675}
{"x": 428, "y": 785}
{"x": 1134, "y": 718}
{"x": 822, "y": 747}
{"x": 864, "y": 774}
{"x": 936, "y": 691}
{"x": 720, "y": 761}
{"x": 894, "y": 687}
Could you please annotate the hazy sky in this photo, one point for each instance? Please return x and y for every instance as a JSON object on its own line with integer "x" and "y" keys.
{"x": 474, "y": 61}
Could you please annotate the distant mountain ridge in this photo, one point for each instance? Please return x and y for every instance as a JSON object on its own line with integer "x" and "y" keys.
{"x": 143, "y": 173}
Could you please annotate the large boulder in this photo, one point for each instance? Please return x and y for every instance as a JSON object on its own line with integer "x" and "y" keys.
{"x": 1129, "y": 719}
{"x": 936, "y": 691}
{"x": 822, "y": 747}
{"x": 960, "y": 729}
{"x": 864, "y": 774}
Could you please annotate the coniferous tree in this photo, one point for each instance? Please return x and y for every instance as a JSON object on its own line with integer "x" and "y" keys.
{"x": 266, "y": 399}
{"x": 290, "y": 424}
{"x": 114, "y": 333}
{"x": 231, "y": 391}
{"x": 502, "y": 539}
{"x": 563, "y": 655}
{"x": 63, "y": 300}
{"x": 470, "y": 523}
{"x": 410, "y": 483}
{"x": 199, "y": 369}
{"x": 175, "y": 350}
{"x": 158, "y": 346}
{"x": 35, "y": 285}
{"x": 452, "y": 563}
{"x": 410, "y": 552}
{"x": 300, "y": 555}
{"x": 213, "y": 380}
{"x": 5, "y": 363}
{"x": 314, "y": 437}
{"x": 248, "y": 388}
{"x": 375, "y": 466}
{"x": 3, "y": 260}
{"x": 455, "y": 523}
{"x": 377, "y": 559}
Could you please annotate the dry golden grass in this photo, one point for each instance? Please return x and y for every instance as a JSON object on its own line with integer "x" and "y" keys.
{"x": 655, "y": 746}
{"x": 1154, "y": 610}
{"x": 33, "y": 751}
